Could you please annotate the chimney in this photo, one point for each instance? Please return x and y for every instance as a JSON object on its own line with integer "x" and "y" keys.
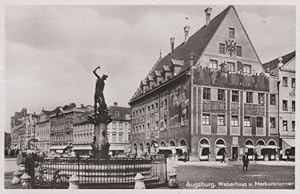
{"x": 207, "y": 13}
{"x": 115, "y": 104}
{"x": 192, "y": 59}
{"x": 280, "y": 62}
{"x": 172, "y": 40}
{"x": 186, "y": 32}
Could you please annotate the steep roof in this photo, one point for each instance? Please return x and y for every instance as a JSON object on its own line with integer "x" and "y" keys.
{"x": 273, "y": 64}
{"x": 123, "y": 111}
{"x": 196, "y": 44}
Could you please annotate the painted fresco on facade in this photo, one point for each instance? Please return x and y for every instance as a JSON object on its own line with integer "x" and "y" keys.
{"x": 222, "y": 78}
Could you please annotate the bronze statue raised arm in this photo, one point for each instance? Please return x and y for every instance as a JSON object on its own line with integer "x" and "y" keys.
{"x": 99, "y": 100}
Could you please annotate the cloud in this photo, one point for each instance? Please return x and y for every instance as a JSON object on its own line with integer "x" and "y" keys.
{"x": 50, "y": 51}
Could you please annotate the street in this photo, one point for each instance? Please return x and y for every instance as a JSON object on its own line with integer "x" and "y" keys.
{"x": 231, "y": 176}
{"x": 216, "y": 175}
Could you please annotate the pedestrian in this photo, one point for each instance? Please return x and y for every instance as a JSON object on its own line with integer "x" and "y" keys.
{"x": 185, "y": 156}
{"x": 224, "y": 156}
{"x": 245, "y": 162}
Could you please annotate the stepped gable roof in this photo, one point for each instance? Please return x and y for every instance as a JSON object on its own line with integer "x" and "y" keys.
{"x": 273, "y": 64}
{"x": 196, "y": 44}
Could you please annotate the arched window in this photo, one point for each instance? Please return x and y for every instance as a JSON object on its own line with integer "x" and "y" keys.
{"x": 172, "y": 143}
{"x": 135, "y": 147}
{"x": 204, "y": 141}
{"x": 148, "y": 147}
{"x": 162, "y": 144}
{"x": 248, "y": 142}
{"x": 141, "y": 147}
{"x": 220, "y": 142}
{"x": 260, "y": 142}
{"x": 272, "y": 142}
{"x": 182, "y": 143}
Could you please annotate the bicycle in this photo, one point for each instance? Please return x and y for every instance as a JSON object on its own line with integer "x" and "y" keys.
{"x": 52, "y": 178}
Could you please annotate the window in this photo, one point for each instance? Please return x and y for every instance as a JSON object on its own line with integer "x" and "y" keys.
{"x": 239, "y": 51}
{"x": 120, "y": 137}
{"x": 213, "y": 64}
{"x": 293, "y": 125}
{"x": 221, "y": 95}
{"x": 284, "y": 125}
{"x": 261, "y": 98}
{"x": 156, "y": 125}
{"x": 114, "y": 137}
{"x": 272, "y": 99}
{"x": 206, "y": 119}
{"x": 156, "y": 105}
{"x": 166, "y": 103}
{"x": 293, "y": 106}
{"x": 285, "y": 81}
{"x": 272, "y": 122}
{"x": 247, "y": 122}
{"x": 231, "y": 66}
{"x": 148, "y": 108}
{"x": 247, "y": 68}
{"x": 221, "y": 120}
{"x": 235, "y": 96}
{"x": 231, "y": 33}
{"x": 249, "y": 97}
{"x": 152, "y": 106}
{"x": 206, "y": 93}
{"x": 222, "y": 48}
{"x": 234, "y": 121}
{"x": 293, "y": 82}
{"x": 284, "y": 105}
{"x": 259, "y": 122}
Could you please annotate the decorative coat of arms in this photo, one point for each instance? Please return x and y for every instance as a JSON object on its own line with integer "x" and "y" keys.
{"x": 230, "y": 47}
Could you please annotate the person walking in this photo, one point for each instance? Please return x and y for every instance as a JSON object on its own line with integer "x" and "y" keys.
{"x": 245, "y": 162}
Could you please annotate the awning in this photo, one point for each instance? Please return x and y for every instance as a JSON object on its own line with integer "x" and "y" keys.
{"x": 116, "y": 147}
{"x": 220, "y": 146}
{"x": 290, "y": 142}
{"x": 204, "y": 145}
{"x": 82, "y": 147}
{"x": 60, "y": 151}
{"x": 270, "y": 147}
{"x": 250, "y": 146}
{"x": 58, "y": 147}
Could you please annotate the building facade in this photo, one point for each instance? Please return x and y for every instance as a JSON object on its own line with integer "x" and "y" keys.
{"x": 210, "y": 94}
{"x": 62, "y": 119}
{"x": 284, "y": 70}
{"x": 17, "y": 124}
{"x": 7, "y": 140}
{"x": 42, "y": 132}
{"x": 117, "y": 131}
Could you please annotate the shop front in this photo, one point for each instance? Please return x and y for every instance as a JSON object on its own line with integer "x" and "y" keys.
{"x": 288, "y": 149}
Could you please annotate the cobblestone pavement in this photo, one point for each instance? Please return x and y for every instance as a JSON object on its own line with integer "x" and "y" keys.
{"x": 231, "y": 176}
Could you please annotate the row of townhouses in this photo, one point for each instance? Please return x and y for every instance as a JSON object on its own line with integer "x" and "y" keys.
{"x": 213, "y": 95}
{"x": 68, "y": 127}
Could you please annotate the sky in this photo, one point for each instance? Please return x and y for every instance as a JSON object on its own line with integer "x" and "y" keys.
{"x": 51, "y": 51}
